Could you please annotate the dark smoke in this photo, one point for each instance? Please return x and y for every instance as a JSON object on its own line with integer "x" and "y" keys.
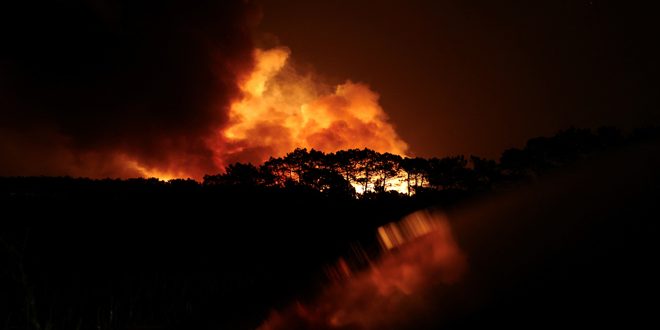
{"x": 84, "y": 83}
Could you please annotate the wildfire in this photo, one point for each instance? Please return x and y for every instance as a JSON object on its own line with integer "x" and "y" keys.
{"x": 163, "y": 175}
{"x": 282, "y": 110}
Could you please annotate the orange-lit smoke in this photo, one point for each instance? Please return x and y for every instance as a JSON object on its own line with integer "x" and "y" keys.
{"x": 424, "y": 256}
{"x": 182, "y": 96}
{"x": 270, "y": 110}
{"x": 282, "y": 109}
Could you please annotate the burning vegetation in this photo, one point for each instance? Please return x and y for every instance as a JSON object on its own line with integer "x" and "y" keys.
{"x": 360, "y": 171}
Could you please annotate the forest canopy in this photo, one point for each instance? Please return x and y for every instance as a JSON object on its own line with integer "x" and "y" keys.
{"x": 365, "y": 173}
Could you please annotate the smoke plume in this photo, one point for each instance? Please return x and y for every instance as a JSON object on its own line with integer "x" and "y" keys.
{"x": 118, "y": 88}
{"x": 163, "y": 89}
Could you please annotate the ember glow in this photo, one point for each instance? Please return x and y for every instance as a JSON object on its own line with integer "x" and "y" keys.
{"x": 424, "y": 257}
{"x": 163, "y": 175}
{"x": 282, "y": 109}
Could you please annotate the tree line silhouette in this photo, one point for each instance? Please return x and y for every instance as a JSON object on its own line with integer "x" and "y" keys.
{"x": 358, "y": 173}
{"x": 79, "y": 253}
{"x": 369, "y": 172}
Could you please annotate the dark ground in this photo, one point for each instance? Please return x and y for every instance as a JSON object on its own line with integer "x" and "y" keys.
{"x": 575, "y": 248}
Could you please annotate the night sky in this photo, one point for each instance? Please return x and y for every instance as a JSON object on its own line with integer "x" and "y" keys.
{"x": 461, "y": 77}
{"x": 89, "y": 86}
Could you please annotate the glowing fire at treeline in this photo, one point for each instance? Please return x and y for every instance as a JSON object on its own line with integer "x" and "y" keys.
{"x": 282, "y": 109}
{"x": 355, "y": 170}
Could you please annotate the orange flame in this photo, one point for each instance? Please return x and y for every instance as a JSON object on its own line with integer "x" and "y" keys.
{"x": 282, "y": 110}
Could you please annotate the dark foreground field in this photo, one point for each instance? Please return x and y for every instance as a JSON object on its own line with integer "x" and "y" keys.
{"x": 573, "y": 248}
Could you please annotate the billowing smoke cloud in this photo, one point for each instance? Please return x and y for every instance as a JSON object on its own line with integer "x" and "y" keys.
{"x": 118, "y": 88}
{"x": 163, "y": 88}
{"x": 283, "y": 109}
